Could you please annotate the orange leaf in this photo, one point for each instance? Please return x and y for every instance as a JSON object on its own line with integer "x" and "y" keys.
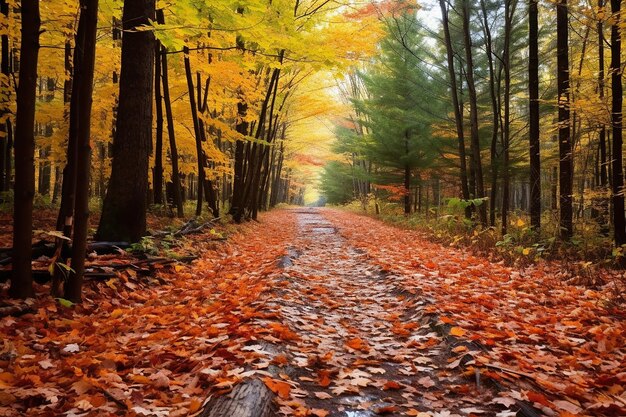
{"x": 457, "y": 331}
{"x": 386, "y": 409}
{"x": 538, "y": 397}
{"x": 324, "y": 378}
{"x": 357, "y": 344}
{"x": 391, "y": 385}
{"x": 280, "y": 388}
{"x": 194, "y": 405}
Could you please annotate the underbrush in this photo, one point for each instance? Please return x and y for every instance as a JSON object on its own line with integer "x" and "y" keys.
{"x": 583, "y": 258}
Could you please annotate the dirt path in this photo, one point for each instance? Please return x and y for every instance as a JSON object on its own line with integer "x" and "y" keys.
{"x": 366, "y": 345}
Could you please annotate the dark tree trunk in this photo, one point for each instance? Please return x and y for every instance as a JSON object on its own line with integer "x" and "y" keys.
{"x": 5, "y": 150}
{"x": 236, "y": 209}
{"x": 495, "y": 110}
{"x": 21, "y": 279}
{"x": 565, "y": 143}
{"x": 473, "y": 100}
{"x": 533, "y": 104}
{"x": 177, "y": 195}
{"x": 407, "y": 177}
{"x": 509, "y": 11}
{"x": 84, "y": 90}
{"x": 157, "y": 173}
{"x": 603, "y": 180}
{"x": 619, "y": 221}
{"x": 458, "y": 117}
{"x": 196, "y": 128}
{"x": 124, "y": 211}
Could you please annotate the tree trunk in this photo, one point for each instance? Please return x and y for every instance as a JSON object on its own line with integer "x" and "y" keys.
{"x": 124, "y": 211}
{"x": 458, "y": 118}
{"x": 84, "y": 91}
{"x": 236, "y": 209}
{"x": 65, "y": 219}
{"x": 407, "y": 177}
{"x": 178, "y": 199}
{"x": 157, "y": 173}
{"x": 533, "y": 104}
{"x": 473, "y": 100}
{"x": 196, "y": 128}
{"x": 495, "y": 109}
{"x": 619, "y": 221}
{"x": 5, "y": 150}
{"x": 21, "y": 279}
{"x": 509, "y": 11}
{"x": 565, "y": 143}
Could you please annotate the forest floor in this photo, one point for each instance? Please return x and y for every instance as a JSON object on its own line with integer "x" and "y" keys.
{"x": 363, "y": 318}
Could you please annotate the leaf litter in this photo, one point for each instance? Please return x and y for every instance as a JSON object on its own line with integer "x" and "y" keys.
{"x": 374, "y": 320}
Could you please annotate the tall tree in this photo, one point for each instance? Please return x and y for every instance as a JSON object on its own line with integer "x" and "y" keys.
{"x": 619, "y": 220}
{"x": 473, "y": 102}
{"x": 124, "y": 208}
{"x": 458, "y": 117}
{"x": 83, "y": 89}
{"x": 566, "y": 178}
{"x": 22, "y": 279}
{"x": 533, "y": 104}
{"x": 5, "y": 124}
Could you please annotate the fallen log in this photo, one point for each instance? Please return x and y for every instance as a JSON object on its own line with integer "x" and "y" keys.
{"x": 16, "y": 310}
{"x": 248, "y": 399}
{"x": 45, "y": 248}
{"x": 42, "y": 276}
{"x": 251, "y": 398}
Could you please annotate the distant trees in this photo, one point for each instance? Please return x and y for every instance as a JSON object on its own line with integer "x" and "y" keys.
{"x": 511, "y": 108}
{"x": 393, "y": 120}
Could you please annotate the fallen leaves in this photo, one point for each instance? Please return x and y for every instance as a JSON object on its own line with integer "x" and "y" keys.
{"x": 280, "y": 388}
{"x": 152, "y": 346}
{"x": 559, "y": 338}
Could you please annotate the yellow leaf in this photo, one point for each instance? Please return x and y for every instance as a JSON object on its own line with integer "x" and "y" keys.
{"x": 116, "y": 313}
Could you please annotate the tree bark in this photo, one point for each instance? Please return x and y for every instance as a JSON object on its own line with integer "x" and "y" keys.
{"x": 178, "y": 199}
{"x": 196, "y": 128}
{"x": 5, "y": 150}
{"x": 533, "y": 104}
{"x": 458, "y": 118}
{"x": 124, "y": 208}
{"x": 473, "y": 100}
{"x": 22, "y": 280}
{"x": 236, "y": 209}
{"x": 157, "y": 173}
{"x": 565, "y": 143}
{"x": 84, "y": 91}
{"x": 495, "y": 109}
{"x": 619, "y": 220}
{"x": 509, "y": 11}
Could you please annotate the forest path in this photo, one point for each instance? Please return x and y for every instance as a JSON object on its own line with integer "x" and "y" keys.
{"x": 365, "y": 344}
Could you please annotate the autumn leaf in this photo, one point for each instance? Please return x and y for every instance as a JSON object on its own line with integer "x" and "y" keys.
{"x": 457, "y": 331}
{"x": 323, "y": 378}
{"x": 319, "y": 412}
{"x": 358, "y": 344}
{"x": 391, "y": 385}
{"x": 387, "y": 409}
{"x": 280, "y": 388}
